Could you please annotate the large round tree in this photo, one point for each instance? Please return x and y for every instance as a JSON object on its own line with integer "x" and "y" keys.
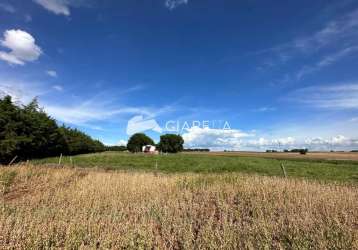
{"x": 137, "y": 141}
{"x": 171, "y": 143}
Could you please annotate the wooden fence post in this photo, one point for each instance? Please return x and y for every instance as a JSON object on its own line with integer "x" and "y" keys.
{"x": 12, "y": 161}
{"x": 59, "y": 160}
{"x": 283, "y": 170}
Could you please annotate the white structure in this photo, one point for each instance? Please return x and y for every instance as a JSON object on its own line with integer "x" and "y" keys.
{"x": 149, "y": 149}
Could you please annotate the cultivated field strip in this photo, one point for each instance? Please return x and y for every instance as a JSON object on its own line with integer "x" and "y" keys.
{"x": 72, "y": 208}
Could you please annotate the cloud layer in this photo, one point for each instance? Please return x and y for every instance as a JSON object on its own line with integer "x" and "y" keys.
{"x": 197, "y": 137}
{"x": 22, "y": 47}
{"x": 218, "y": 139}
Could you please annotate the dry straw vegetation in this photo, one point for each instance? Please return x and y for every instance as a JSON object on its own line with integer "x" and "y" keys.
{"x": 76, "y": 208}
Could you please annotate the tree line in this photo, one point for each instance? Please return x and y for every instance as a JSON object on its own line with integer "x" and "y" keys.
{"x": 168, "y": 143}
{"x": 302, "y": 151}
{"x": 27, "y": 132}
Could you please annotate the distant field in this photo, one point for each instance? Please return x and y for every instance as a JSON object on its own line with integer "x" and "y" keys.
{"x": 353, "y": 156}
{"x": 71, "y": 208}
{"x": 300, "y": 167}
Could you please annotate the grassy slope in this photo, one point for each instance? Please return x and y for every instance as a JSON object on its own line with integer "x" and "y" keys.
{"x": 345, "y": 171}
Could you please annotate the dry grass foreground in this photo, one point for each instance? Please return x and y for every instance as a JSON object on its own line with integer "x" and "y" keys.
{"x": 74, "y": 208}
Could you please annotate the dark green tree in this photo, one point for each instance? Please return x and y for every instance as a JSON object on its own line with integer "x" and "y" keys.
{"x": 10, "y": 124}
{"x": 171, "y": 143}
{"x": 42, "y": 135}
{"x": 137, "y": 141}
{"x": 28, "y": 132}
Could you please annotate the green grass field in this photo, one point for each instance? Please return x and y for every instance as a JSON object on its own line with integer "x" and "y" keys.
{"x": 323, "y": 170}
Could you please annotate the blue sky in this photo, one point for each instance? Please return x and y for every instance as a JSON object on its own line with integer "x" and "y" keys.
{"x": 282, "y": 74}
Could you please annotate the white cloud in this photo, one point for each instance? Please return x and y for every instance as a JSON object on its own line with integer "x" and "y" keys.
{"x": 172, "y": 4}
{"x": 51, "y": 73}
{"x": 263, "y": 143}
{"x": 339, "y": 96}
{"x": 96, "y": 110}
{"x": 336, "y": 141}
{"x": 313, "y": 143}
{"x": 22, "y": 47}
{"x": 57, "y": 87}
{"x": 218, "y": 139}
{"x": 59, "y": 7}
{"x": 342, "y": 140}
{"x": 119, "y": 143}
{"x": 8, "y": 57}
{"x": 82, "y": 114}
{"x": 283, "y": 141}
{"x": 88, "y": 113}
{"x": 62, "y": 7}
{"x": 7, "y": 7}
